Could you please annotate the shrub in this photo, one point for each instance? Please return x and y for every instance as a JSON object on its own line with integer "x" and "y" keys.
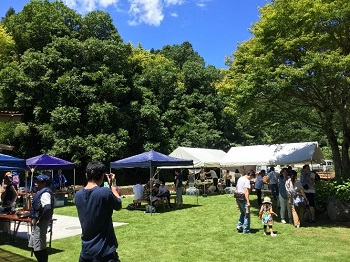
{"x": 340, "y": 189}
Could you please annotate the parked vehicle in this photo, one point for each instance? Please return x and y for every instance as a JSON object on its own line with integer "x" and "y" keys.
{"x": 326, "y": 166}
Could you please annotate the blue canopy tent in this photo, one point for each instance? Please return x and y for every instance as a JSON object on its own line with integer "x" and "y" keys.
{"x": 150, "y": 160}
{"x": 11, "y": 163}
{"x": 46, "y": 162}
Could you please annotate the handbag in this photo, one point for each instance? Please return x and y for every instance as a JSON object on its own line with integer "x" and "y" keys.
{"x": 299, "y": 201}
{"x": 239, "y": 196}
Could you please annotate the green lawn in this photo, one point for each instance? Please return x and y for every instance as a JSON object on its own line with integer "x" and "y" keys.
{"x": 204, "y": 232}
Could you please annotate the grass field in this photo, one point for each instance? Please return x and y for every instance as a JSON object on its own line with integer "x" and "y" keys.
{"x": 204, "y": 230}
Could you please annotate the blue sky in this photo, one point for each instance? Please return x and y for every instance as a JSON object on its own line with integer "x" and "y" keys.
{"x": 213, "y": 27}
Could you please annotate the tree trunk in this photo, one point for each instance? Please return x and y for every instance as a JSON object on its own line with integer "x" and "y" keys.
{"x": 332, "y": 140}
{"x": 345, "y": 158}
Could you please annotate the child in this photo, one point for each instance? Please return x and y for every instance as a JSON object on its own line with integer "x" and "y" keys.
{"x": 265, "y": 215}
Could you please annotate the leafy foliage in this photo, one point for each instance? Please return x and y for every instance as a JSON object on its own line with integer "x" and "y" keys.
{"x": 339, "y": 189}
{"x": 295, "y": 70}
{"x": 87, "y": 95}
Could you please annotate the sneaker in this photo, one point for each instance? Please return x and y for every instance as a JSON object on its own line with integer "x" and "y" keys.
{"x": 239, "y": 229}
{"x": 264, "y": 233}
{"x": 297, "y": 226}
{"x": 273, "y": 234}
{"x": 283, "y": 221}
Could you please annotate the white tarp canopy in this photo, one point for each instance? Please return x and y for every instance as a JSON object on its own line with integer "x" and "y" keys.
{"x": 277, "y": 154}
{"x": 202, "y": 157}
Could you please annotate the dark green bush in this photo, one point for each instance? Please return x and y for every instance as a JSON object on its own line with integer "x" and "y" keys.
{"x": 340, "y": 189}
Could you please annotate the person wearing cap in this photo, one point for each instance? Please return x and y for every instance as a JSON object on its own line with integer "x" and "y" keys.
{"x": 41, "y": 212}
{"x": 266, "y": 215}
{"x": 95, "y": 207}
{"x": 8, "y": 198}
{"x": 243, "y": 187}
{"x": 59, "y": 180}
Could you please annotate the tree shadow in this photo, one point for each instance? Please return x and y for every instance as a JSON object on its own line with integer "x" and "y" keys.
{"x": 10, "y": 256}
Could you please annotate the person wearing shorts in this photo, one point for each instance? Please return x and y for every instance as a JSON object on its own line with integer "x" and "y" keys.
{"x": 41, "y": 212}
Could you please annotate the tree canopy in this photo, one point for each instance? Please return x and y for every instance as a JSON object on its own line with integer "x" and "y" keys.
{"x": 85, "y": 94}
{"x": 296, "y": 69}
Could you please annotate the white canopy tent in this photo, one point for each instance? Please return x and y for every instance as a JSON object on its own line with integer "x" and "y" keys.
{"x": 202, "y": 157}
{"x": 277, "y": 154}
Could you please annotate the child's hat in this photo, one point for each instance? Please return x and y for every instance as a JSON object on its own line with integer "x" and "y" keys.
{"x": 267, "y": 200}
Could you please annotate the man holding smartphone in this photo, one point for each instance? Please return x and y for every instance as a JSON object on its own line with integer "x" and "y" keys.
{"x": 95, "y": 207}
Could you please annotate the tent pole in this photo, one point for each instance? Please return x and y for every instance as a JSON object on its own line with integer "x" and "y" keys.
{"x": 73, "y": 185}
{"x": 151, "y": 186}
{"x": 194, "y": 175}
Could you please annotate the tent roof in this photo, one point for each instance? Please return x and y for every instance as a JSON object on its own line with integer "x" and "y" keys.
{"x": 276, "y": 154}
{"x": 149, "y": 159}
{"x": 11, "y": 163}
{"x": 301, "y": 153}
{"x": 46, "y": 162}
{"x": 202, "y": 157}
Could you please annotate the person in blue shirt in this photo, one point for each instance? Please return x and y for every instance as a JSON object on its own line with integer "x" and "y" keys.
{"x": 59, "y": 180}
{"x": 283, "y": 198}
{"x": 258, "y": 185}
{"x": 95, "y": 207}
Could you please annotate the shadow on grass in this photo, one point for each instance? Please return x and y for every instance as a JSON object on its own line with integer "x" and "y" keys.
{"x": 20, "y": 243}
{"x": 322, "y": 220}
{"x": 10, "y": 256}
{"x": 160, "y": 209}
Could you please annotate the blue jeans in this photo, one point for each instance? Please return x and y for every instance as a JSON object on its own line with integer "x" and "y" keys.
{"x": 244, "y": 219}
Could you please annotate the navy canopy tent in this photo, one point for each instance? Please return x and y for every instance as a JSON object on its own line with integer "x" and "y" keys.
{"x": 11, "y": 163}
{"x": 46, "y": 162}
{"x": 150, "y": 159}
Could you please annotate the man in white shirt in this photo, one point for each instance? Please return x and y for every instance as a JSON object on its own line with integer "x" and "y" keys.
{"x": 214, "y": 176}
{"x": 243, "y": 187}
{"x": 138, "y": 191}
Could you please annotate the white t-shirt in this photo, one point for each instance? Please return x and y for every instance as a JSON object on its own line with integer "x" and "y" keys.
{"x": 311, "y": 189}
{"x": 213, "y": 174}
{"x": 243, "y": 183}
{"x": 45, "y": 199}
{"x": 138, "y": 191}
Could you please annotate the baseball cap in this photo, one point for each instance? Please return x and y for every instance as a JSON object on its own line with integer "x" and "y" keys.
{"x": 42, "y": 178}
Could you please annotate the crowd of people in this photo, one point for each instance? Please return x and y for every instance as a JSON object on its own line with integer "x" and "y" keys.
{"x": 295, "y": 198}
{"x": 95, "y": 204}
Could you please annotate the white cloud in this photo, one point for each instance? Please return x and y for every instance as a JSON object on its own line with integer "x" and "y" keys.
{"x": 84, "y": 6}
{"x": 202, "y": 3}
{"x": 146, "y": 11}
{"x": 150, "y": 12}
{"x": 174, "y": 2}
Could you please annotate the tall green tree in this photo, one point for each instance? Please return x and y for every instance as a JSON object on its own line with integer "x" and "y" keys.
{"x": 7, "y": 46}
{"x": 297, "y": 66}
{"x": 39, "y": 22}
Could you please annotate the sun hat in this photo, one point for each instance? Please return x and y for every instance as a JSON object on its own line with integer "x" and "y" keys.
{"x": 267, "y": 200}
{"x": 9, "y": 176}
